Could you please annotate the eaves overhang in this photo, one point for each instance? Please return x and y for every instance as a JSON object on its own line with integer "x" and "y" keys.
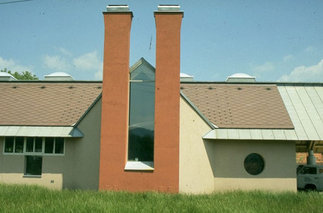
{"x": 40, "y": 131}
{"x": 252, "y": 134}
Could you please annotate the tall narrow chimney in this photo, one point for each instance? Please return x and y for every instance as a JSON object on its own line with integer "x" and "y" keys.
{"x": 114, "y": 175}
{"x": 114, "y": 117}
{"x": 168, "y": 21}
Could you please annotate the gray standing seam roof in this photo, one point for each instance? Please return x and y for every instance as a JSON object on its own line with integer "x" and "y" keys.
{"x": 305, "y": 107}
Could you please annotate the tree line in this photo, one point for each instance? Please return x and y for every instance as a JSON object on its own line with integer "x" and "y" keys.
{"x": 24, "y": 75}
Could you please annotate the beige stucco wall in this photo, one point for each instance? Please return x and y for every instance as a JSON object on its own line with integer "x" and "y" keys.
{"x": 12, "y": 169}
{"x": 279, "y": 173}
{"x": 78, "y": 168}
{"x": 195, "y": 171}
{"x": 52, "y": 181}
{"x": 213, "y": 165}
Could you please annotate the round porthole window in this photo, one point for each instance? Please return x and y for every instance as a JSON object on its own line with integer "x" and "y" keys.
{"x": 254, "y": 164}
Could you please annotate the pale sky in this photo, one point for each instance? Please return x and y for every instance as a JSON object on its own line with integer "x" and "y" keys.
{"x": 273, "y": 40}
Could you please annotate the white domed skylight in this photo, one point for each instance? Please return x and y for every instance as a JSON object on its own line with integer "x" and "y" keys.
{"x": 241, "y": 77}
{"x": 58, "y": 76}
{"x": 186, "y": 77}
{"x": 4, "y": 76}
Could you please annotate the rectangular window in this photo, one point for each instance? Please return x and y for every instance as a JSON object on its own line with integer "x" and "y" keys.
{"x": 54, "y": 145}
{"x": 309, "y": 170}
{"x": 9, "y": 143}
{"x": 141, "y": 121}
{"x": 30, "y": 145}
{"x": 33, "y": 165}
{"x": 59, "y": 145}
{"x": 36, "y": 146}
{"x": 19, "y": 145}
{"x": 49, "y": 145}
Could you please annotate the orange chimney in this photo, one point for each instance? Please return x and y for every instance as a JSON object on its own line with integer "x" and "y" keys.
{"x": 114, "y": 117}
{"x": 114, "y": 173}
{"x": 168, "y": 20}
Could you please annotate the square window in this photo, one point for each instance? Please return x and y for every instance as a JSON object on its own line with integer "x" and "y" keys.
{"x": 59, "y": 145}
{"x": 19, "y": 145}
{"x": 49, "y": 145}
{"x": 30, "y": 145}
{"x": 33, "y": 165}
{"x": 8, "y": 146}
{"x": 38, "y": 144}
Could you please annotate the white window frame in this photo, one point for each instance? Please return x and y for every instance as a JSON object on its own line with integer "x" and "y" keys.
{"x": 42, "y": 153}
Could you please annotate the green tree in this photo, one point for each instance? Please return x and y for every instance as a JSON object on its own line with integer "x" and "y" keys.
{"x": 24, "y": 75}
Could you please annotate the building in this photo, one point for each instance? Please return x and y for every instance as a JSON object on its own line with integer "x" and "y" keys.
{"x": 141, "y": 129}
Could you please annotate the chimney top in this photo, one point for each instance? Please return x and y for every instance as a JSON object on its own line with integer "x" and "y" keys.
{"x": 167, "y": 8}
{"x": 117, "y": 8}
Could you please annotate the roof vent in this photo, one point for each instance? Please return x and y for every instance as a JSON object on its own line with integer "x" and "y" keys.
{"x": 186, "y": 77}
{"x": 6, "y": 77}
{"x": 58, "y": 76}
{"x": 241, "y": 77}
{"x": 117, "y": 8}
{"x": 169, "y": 8}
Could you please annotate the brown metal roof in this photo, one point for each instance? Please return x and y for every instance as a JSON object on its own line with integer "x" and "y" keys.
{"x": 45, "y": 103}
{"x": 239, "y": 105}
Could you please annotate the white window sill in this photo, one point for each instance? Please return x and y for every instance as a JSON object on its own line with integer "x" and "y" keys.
{"x": 32, "y": 176}
{"x": 139, "y": 166}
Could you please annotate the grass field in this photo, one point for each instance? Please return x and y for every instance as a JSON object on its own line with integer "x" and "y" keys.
{"x": 15, "y": 198}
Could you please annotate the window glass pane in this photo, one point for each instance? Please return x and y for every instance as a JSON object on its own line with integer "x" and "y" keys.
{"x": 8, "y": 144}
{"x": 142, "y": 73}
{"x": 49, "y": 145}
{"x": 309, "y": 170}
{"x": 29, "y": 144}
{"x": 254, "y": 164}
{"x": 59, "y": 145}
{"x": 33, "y": 165}
{"x": 299, "y": 168}
{"x": 19, "y": 145}
{"x": 141, "y": 121}
{"x": 38, "y": 144}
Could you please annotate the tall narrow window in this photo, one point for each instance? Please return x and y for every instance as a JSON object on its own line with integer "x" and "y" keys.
{"x": 29, "y": 144}
{"x": 141, "y": 114}
{"x": 19, "y": 147}
{"x": 59, "y": 145}
{"x": 49, "y": 145}
{"x": 33, "y": 165}
{"x": 38, "y": 144}
{"x": 9, "y": 144}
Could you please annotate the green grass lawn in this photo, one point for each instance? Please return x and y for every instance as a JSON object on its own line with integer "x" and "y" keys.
{"x": 14, "y": 198}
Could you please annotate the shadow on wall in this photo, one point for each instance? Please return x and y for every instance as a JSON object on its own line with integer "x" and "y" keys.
{"x": 227, "y": 158}
{"x": 209, "y": 147}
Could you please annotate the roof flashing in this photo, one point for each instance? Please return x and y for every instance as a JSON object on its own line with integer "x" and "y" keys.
{"x": 112, "y": 8}
{"x": 169, "y": 8}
